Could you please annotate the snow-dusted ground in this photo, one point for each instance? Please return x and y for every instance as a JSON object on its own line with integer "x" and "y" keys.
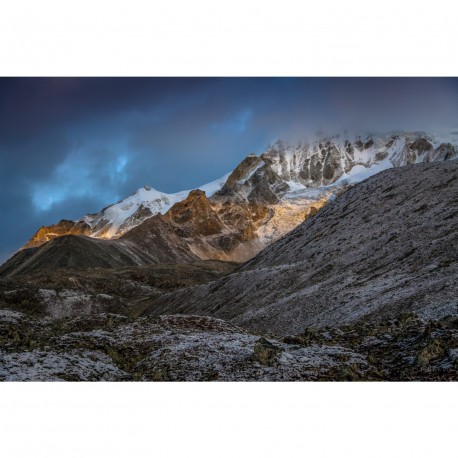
{"x": 44, "y": 366}
{"x": 167, "y": 348}
{"x": 109, "y": 347}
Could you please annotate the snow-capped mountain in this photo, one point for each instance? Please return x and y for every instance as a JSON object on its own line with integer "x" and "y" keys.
{"x": 286, "y": 171}
{"x": 119, "y": 218}
{"x": 265, "y": 196}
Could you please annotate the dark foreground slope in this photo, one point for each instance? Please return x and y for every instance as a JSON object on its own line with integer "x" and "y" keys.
{"x": 387, "y": 246}
{"x": 80, "y": 252}
{"x": 169, "y": 348}
{"x": 70, "y": 292}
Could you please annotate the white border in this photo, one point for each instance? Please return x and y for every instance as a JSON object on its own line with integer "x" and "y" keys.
{"x": 237, "y": 38}
{"x": 73, "y": 420}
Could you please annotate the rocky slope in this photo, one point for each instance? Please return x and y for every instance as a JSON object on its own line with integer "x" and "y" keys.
{"x": 80, "y": 252}
{"x": 70, "y": 292}
{"x": 264, "y": 197}
{"x": 386, "y": 246}
{"x": 111, "y": 347}
{"x": 205, "y": 229}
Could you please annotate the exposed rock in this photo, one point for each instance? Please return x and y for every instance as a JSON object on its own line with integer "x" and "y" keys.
{"x": 421, "y": 145}
{"x": 265, "y": 352}
{"x": 64, "y": 227}
{"x": 200, "y": 228}
{"x": 432, "y": 351}
{"x": 196, "y": 213}
{"x": 241, "y": 171}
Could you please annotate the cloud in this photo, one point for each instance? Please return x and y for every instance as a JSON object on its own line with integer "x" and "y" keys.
{"x": 96, "y": 173}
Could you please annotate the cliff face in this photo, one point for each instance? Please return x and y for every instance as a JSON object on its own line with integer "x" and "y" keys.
{"x": 204, "y": 229}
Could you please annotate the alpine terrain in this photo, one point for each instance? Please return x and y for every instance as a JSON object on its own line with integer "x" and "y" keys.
{"x": 235, "y": 217}
{"x": 333, "y": 259}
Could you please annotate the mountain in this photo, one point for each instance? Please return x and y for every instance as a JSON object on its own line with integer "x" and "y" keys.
{"x": 264, "y": 198}
{"x": 117, "y": 219}
{"x": 388, "y": 245}
{"x": 205, "y": 228}
{"x": 284, "y": 171}
{"x": 267, "y": 196}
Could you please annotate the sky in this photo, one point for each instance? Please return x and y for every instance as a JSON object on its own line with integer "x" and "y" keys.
{"x": 71, "y": 146}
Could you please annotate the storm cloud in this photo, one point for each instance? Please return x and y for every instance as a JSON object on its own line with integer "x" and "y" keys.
{"x": 70, "y": 146}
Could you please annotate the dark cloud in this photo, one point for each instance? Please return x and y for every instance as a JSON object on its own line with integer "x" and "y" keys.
{"x": 69, "y": 146}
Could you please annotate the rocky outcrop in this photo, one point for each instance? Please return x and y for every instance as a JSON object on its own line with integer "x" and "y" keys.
{"x": 266, "y": 352}
{"x": 247, "y": 166}
{"x": 194, "y": 215}
{"x": 64, "y": 227}
{"x": 203, "y": 229}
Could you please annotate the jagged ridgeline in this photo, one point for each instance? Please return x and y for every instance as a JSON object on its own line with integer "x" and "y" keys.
{"x": 230, "y": 219}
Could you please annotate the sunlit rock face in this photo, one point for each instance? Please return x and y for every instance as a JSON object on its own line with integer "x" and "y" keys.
{"x": 262, "y": 199}
{"x": 64, "y": 227}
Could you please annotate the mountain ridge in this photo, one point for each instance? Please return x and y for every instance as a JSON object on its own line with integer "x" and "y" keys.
{"x": 262, "y": 199}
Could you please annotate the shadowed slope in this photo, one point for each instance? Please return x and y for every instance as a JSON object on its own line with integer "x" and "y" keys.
{"x": 387, "y": 245}
{"x": 78, "y": 252}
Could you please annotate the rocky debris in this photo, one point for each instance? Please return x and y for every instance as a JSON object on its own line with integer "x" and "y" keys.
{"x": 402, "y": 348}
{"x": 46, "y": 366}
{"x": 430, "y": 352}
{"x": 127, "y": 290}
{"x": 387, "y": 245}
{"x": 265, "y": 352}
{"x": 168, "y": 348}
{"x": 196, "y": 348}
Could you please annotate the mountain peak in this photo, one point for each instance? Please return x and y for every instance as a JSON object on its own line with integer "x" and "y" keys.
{"x": 283, "y": 175}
